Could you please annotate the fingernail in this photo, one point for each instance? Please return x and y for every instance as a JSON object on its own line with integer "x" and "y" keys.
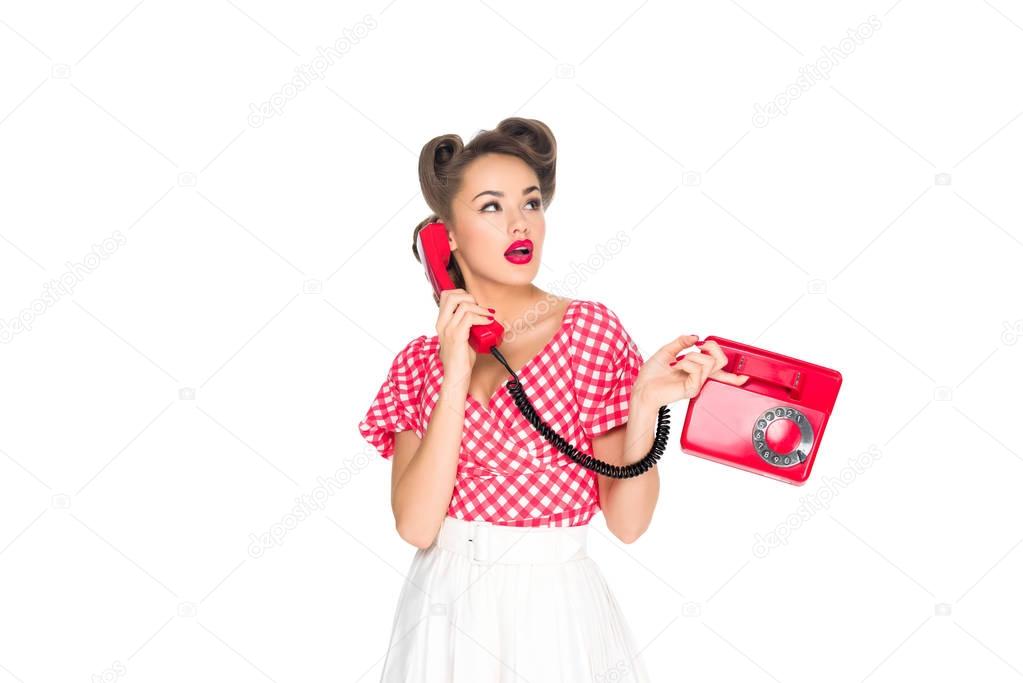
{"x": 492, "y": 310}
{"x": 491, "y": 317}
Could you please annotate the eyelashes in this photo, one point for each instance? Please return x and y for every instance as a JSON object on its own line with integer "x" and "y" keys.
{"x": 493, "y": 203}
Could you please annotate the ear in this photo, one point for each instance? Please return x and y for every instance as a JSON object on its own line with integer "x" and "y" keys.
{"x": 452, "y": 242}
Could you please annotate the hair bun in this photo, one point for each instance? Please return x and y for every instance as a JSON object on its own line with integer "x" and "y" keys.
{"x": 533, "y": 134}
{"x": 434, "y": 161}
{"x": 445, "y": 148}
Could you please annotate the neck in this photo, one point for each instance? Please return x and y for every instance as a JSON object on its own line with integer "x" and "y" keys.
{"x": 508, "y": 301}
{"x": 516, "y": 306}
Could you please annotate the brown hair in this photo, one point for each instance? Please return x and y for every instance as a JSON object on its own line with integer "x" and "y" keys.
{"x": 443, "y": 160}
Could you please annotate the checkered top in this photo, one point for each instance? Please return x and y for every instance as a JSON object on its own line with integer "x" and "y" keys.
{"x": 580, "y": 384}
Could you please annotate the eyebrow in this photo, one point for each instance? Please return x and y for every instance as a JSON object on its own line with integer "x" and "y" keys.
{"x": 501, "y": 194}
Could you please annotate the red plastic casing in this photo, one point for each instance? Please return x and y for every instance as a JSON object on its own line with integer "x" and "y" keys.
{"x": 434, "y": 253}
{"x": 721, "y": 419}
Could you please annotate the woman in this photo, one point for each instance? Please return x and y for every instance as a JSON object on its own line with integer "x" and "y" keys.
{"x": 501, "y": 587}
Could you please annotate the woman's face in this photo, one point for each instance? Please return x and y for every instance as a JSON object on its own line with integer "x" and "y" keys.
{"x": 498, "y": 204}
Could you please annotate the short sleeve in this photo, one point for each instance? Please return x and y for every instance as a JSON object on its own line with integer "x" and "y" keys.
{"x": 606, "y": 362}
{"x": 396, "y": 406}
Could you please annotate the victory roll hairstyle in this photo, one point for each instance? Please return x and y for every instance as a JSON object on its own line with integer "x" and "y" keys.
{"x": 443, "y": 160}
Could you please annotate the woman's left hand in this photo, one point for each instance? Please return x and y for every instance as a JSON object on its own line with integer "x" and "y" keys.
{"x": 665, "y": 378}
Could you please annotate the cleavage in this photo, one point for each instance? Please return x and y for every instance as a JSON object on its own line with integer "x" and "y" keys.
{"x": 487, "y": 378}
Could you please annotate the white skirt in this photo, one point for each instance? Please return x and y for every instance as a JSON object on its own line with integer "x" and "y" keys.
{"x": 489, "y": 602}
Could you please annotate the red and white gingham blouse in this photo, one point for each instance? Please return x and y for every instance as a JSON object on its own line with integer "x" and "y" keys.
{"x": 580, "y": 384}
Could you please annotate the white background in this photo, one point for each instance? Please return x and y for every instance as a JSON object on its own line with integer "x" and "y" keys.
{"x": 184, "y": 388}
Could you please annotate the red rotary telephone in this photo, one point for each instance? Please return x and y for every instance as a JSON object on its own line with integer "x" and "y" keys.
{"x": 772, "y": 425}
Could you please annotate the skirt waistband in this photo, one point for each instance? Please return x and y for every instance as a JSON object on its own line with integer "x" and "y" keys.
{"x": 488, "y": 543}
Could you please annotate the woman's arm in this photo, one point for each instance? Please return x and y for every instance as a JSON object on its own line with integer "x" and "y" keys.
{"x": 628, "y": 504}
{"x": 423, "y": 471}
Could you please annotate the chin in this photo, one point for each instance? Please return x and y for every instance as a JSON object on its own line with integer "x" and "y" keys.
{"x": 523, "y": 275}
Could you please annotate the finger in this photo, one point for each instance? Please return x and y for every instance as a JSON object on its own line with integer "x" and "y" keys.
{"x": 458, "y": 328}
{"x": 701, "y": 358}
{"x": 703, "y": 361}
{"x": 469, "y": 319}
{"x": 476, "y": 308}
{"x": 448, "y": 310}
{"x": 712, "y": 347}
{"x": 690, "y": 366}
{"x": 697, "y": 357}
{"x": 692, "y": 385}
{"x": 457, "y": 295}
{"x": 729, "y": 378}
{"x": 707, "y": 364}
{"x": 669, "y": 351}
{"x": 454, "y": 294}
{"x": 471, "y": 311}
{"x": 466, "y": 306}
{"x": 449, "y": 300}
{"x": 677, "y": 357}
{"x": 456, "y": 317}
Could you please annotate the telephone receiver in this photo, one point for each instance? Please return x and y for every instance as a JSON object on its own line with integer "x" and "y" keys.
{"x": 435, "y": 254}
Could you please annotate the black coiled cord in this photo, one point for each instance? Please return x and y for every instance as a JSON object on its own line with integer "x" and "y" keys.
{"x": 587, "y": 461}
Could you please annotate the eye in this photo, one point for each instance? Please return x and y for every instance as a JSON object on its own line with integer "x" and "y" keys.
{"x": 536, "y": 202}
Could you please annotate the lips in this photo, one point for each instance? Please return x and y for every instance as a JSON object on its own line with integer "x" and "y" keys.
{"x": 520, "y": 251}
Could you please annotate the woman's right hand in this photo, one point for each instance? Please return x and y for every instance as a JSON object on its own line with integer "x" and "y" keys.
{"x": 458, "y": 312}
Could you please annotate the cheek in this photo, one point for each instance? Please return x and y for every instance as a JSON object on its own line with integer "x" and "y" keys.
{"x": 538, "y": 224}
{"x": 482, "y": 240}
{"x": 539, "y": 232}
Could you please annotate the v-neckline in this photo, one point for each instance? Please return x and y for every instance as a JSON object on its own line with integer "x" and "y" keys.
{"x": 565, "y": 320}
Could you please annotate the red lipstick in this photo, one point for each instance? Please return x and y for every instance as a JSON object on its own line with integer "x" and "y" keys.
{"x": 520, "y": 251}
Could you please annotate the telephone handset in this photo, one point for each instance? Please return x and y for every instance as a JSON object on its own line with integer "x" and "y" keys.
{"x": 435, "y": 253}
